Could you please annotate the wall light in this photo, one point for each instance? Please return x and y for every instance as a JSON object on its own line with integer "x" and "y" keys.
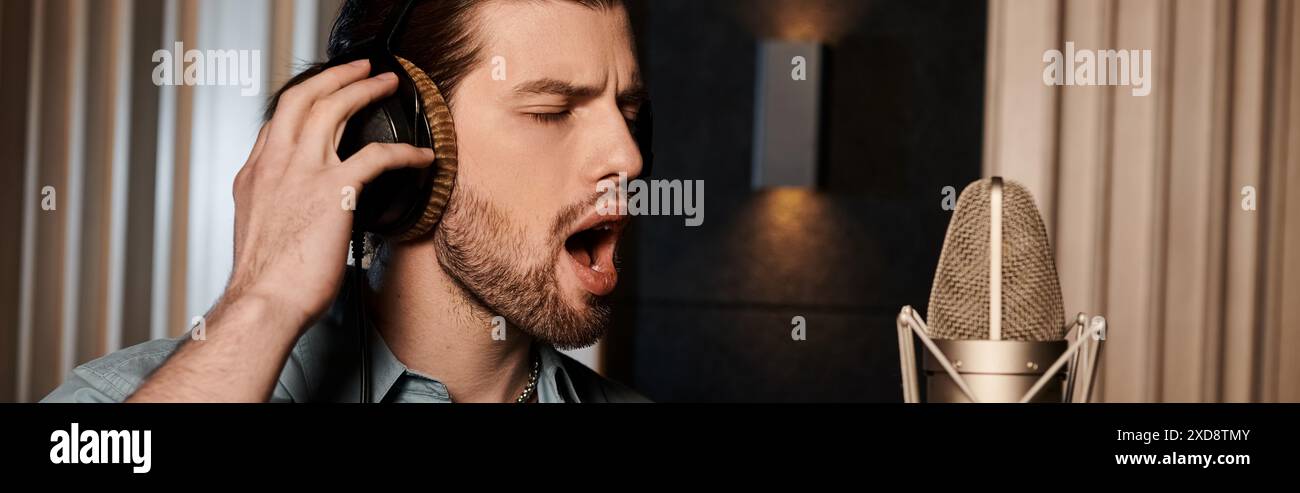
{"x": 787, "y": 113}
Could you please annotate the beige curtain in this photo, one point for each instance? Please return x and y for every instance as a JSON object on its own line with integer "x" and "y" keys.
{"x": 1145, "y": 196}
{"x": 112, "y": 265}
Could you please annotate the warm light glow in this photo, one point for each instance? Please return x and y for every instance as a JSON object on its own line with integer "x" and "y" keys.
{"x": 779, "y": 232}
{"x": 786, "y": 207}
{"x": 823, "y": 21}
{"x": 797, "y": 23}
{"x": 802, "y": 30}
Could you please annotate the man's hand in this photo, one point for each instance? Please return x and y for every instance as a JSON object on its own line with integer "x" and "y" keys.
{"x": 292, "y": 223}
{"x": 292, "y": 226}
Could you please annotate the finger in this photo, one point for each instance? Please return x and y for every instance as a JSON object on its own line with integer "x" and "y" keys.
{"x": 296, "y": 102}
{"x": 324, "y": 126}
{"x": 377, "y": 158}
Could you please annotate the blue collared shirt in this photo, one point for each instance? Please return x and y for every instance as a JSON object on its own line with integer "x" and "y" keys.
{"x": 323, "y": 368}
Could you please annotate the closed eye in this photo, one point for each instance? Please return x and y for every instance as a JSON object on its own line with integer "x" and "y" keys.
{"x": 551, "y": 118}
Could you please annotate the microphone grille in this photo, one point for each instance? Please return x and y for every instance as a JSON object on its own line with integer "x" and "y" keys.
{"x": 1031, "y": 291}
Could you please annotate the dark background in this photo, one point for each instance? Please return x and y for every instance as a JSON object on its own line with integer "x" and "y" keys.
{"x": 705, "y": 312}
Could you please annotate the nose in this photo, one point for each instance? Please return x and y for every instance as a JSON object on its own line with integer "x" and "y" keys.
{"x": 615, "y": 147}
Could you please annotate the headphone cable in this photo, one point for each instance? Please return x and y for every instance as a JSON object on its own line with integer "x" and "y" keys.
{"x": 359, "y": 311}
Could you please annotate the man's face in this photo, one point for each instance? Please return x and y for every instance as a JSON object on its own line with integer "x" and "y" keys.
{"x": 540, "y": 121}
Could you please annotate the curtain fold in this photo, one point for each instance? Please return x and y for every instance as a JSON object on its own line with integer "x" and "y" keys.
{"x": 1173, "y": 214}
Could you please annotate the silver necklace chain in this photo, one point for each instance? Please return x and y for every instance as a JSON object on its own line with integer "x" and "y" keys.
{"x": 531, "y": 387}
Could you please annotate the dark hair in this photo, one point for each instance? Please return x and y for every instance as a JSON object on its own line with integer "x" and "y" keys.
{"x": 440, "y": 38}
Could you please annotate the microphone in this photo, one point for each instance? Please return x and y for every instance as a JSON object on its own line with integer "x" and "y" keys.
{"x": 997, "y": 330}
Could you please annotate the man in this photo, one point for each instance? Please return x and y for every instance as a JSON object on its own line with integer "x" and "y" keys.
{"x": 520, "y": 240}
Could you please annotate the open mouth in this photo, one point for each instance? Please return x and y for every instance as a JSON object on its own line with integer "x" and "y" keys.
{"x": 592, "y": 253}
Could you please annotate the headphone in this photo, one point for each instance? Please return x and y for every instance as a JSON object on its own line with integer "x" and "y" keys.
{"x": 408, "y": 203}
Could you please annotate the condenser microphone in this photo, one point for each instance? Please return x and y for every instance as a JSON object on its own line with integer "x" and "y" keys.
{"x": 997, "y": 329}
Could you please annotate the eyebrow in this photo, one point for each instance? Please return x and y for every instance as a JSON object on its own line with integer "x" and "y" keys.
{"x": 635, "y": 94}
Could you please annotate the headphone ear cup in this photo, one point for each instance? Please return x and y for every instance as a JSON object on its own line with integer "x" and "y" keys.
{"x": 443, "y": 133}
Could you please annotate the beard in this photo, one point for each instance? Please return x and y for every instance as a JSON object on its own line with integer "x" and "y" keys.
{"x": 486, "y": 254}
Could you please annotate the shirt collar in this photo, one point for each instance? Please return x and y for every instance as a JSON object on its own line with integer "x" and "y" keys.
{"x": 554, "y": 384}
{"x": 387, "y": 375}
